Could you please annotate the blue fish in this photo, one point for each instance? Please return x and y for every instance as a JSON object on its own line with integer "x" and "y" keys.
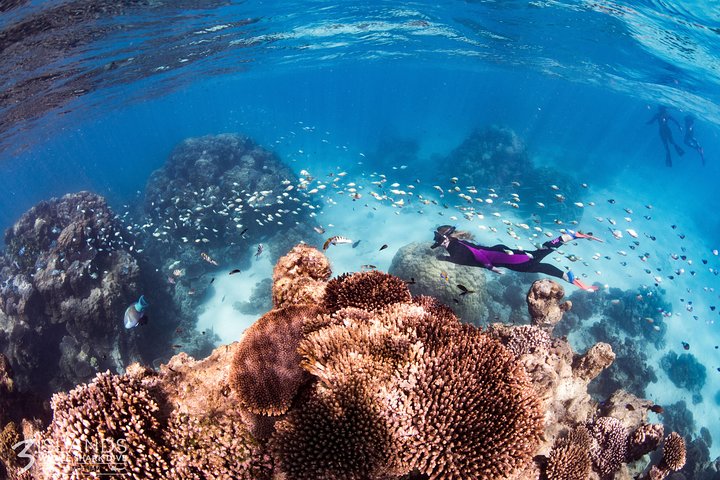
{"x": 135, "y": 314}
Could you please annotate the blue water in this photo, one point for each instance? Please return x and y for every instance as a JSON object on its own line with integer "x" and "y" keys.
{"x": 325, "y": 85}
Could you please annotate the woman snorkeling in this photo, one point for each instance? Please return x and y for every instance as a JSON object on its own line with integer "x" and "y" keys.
{"x": 663, "y": 118}
{"x": 463, "y": 252}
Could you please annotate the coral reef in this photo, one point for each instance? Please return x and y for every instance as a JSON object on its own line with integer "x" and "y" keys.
{"x": 266, "y": 369}
{"x": 499, "y": 154}
{"x": 371, "y": 388}
{"x": 211, "y": 189}
{"x": 416, "y": 261}
{"x": 569, "y": 458}
{"x": 646, "y": 438}
{"x": 371, "y": 291}
{"x": 112, "y": 415}
{"x": 678, "y": 418}
{"x": 179, "y": 423}
{"x": 609, "y": 445}
{"x": 65, "y": 279}
{"x": 216, "y": 197}
{"x": 483, "y": 382}
{"x": 544, "y": 305}
{"x": 673, "y": 458}
{"x": 627, "y": 320}
{"x": 340, "y": 433}
{"x": 686, "y": 372}
{"x": 300, "y": 276}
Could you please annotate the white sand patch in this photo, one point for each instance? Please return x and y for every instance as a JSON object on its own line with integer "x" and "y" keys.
{"x": 218, "y": 314}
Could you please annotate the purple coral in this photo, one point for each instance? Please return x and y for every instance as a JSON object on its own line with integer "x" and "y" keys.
{"x": 609, "y": 445}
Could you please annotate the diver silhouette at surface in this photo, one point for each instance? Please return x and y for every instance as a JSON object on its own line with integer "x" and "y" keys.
{"x": 462, "y": 252}
{"x": 690, "y": 139}
{"x": 663, "y": 117}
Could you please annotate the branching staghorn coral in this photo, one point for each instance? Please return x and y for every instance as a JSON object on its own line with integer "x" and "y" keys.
{"x": 109, "y": 426}
{"x": 213, "y": 447}
{"x": 371, "y": 291}
{"x": 475, "y": 413}
{"x": 570, "y": 456}
{"x": 339, "y": 434}
{"x": 673, "y": 459}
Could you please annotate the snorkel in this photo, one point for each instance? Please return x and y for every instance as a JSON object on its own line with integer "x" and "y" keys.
{"x": 442, "y": 236}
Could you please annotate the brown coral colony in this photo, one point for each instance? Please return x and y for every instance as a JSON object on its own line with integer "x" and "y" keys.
{"x": 353, "y": 378}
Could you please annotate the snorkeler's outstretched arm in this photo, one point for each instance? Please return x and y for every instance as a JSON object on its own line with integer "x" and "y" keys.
{"x": 653, "y": 119}
{"x": 677, "y": 124}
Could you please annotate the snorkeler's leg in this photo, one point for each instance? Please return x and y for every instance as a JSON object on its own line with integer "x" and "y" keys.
{"x": 678, "y": 149}
{"x": 554, "y": 271}
{"x": 668, "y": 158}
{"x": 569, "y": 236}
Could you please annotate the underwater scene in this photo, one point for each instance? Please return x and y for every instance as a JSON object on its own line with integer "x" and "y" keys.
{"x": 359, "y": 240}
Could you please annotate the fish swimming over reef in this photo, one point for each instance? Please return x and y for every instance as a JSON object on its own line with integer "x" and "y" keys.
{"x": 208, "y": 259}
{"x": 336, "y": 240}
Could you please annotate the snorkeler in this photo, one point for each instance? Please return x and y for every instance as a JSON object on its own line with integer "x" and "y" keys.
{"x": 663, "y": 117}
{"x": 463, "y": 252}
{"x": 690, "y": 139}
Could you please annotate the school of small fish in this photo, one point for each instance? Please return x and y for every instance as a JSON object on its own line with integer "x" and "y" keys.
{"x": 631, "y": 232}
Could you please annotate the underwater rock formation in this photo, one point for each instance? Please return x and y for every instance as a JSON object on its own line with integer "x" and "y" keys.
{"x": 389, "y": 387}
{"x": 685, "y": 371}
{"x": 213, "y": 188}
{"x": 543, "y": 302}
{"x": 498, "y": 153}
{"x": 434, "y": 277}
{"x": 299, "y": 277}
{"x": 218, "y": 197}
{"x": 66, "y": 277}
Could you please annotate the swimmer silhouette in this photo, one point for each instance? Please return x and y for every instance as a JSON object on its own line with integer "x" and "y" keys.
{"x": 663, "y": 117}
{"x": 690, "y": 139}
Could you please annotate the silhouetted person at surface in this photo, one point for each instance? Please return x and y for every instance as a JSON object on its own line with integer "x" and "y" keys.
{"x": 663, "y": 117}
{"x": 690, "y": 139}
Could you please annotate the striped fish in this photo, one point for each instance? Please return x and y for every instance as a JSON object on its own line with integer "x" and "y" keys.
{"x": 207, "y": 258}
{"x": 336, "y": 240}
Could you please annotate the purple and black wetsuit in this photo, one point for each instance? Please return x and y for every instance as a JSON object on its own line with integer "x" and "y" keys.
{"x": 463, "y": 252}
